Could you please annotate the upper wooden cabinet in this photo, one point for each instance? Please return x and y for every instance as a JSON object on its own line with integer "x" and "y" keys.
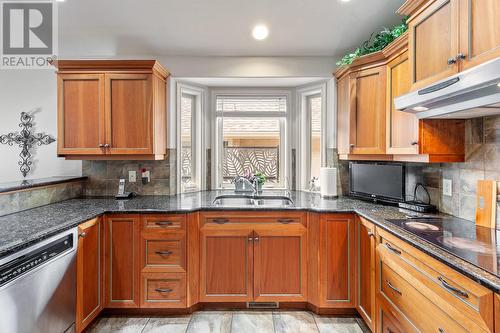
{"x": 371, "y": 128}
{"x": 448, "y": 36}
{"x": 111, "y": 109}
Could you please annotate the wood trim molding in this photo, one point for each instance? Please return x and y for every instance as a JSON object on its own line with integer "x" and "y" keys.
{"x": 364, "y": 62}
{"x": 153, "y": 66}
{"x": 410, "y": 7}
{"x": 398, "y": 46}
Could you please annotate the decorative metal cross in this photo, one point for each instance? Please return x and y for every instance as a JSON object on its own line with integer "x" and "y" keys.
{"x": 26, "y": 140}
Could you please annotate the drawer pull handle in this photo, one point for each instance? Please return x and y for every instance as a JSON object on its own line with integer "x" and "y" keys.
{"x": 389, "y": 246}
{"x": 457, "y": 291}
{"x": 163, "y": 290}
{"x": 440, "y": 330}
{"x": 164, "y": 223}
{"x": 286, "y": 221}
{"x": 220, "y": 221}
{"x": 389, "y": 284}
{"x": 164, "y": 253}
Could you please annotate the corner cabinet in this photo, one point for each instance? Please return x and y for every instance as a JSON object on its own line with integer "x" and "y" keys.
{"x": 89, "y": 280}
{"x": 111, "y": 109}
{"x": 371, "y": 128}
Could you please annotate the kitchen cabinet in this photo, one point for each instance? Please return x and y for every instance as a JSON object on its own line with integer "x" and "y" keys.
{"x": 461, "y": 34}
{"x": 253, "y": 257}
{"x": 337, "y": 261}
{"x": 122, "y": 261}
{"x": 163, "y": 261}
{"x": 367, "y": 108}
{"x": 226, "y": 264}
{"x": 365, "y": 238}
{"x": 368, "y": 129}
{"x": 497, "y": 312}
{"x": 435, "y": 28}
{"x": 479, "y": 31}
{"x": 280, "y": 260}
{"x": 111, "y": 109}
{"x": 89, "y": 292}
{"x": 406, "y": 277}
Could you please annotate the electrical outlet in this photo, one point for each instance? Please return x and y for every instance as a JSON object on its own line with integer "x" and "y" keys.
{"x": 132, "y": 176}
{"x": 447, "y": 187}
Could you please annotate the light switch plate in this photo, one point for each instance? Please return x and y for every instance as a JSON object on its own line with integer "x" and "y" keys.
{"x": 132, "y": 176}
{"x": 447, "y": 187}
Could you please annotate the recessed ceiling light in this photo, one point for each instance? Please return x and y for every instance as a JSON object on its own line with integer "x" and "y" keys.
{"x": 260, "y": 32}
{"x": 498, "y": 84}
{"x": 420, "y": 108}
{"x": 345, "y": 0}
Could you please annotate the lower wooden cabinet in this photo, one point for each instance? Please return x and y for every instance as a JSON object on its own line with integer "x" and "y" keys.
{"x": 337, "y": 261}
{"x": 366, "y": 247}
{"x": 89, "y": 273}
{"x": 243, "y": 262}
{"x": 122, "y": 261}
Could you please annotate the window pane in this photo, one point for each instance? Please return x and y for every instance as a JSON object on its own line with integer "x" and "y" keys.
{"x": 187, "y": 106}
{"x": 251, "y": 144}
{"x": 251, "y": 104}
{"x": 314, "y": 103}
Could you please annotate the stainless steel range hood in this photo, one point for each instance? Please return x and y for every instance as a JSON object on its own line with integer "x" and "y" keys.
{"x": 469, "y": 94}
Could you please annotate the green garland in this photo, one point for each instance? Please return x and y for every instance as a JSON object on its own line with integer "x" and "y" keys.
{"x": 376, "y": 43}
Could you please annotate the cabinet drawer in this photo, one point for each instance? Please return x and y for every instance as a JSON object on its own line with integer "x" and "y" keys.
{"x": 163, "y": 222}
{"x": 165, "y": 253}
{"x": 390, "y": 319}
{"x": 460, "y": 296}
{"x": 163, "y": 290}
{"x": 405, "y": 297}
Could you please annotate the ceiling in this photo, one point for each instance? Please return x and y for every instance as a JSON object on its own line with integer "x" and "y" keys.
{"x": 219, "y": 27}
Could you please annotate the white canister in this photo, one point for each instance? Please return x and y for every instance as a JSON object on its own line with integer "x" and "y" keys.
{"x": 328, "y": 182}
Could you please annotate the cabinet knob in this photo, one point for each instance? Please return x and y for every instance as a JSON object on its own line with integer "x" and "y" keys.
{"x": 101, "y": 145}
{"x": 370, "y": 234}
{"x": 414, "y": 143}
{"x": 107, "y": 145}
{"x": 452, "y": 61}
{"x": 83, "y": 234}
{"x": 461, "y": 56}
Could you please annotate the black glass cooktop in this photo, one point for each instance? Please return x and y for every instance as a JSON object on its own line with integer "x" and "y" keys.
{"x": 479, "y": 246}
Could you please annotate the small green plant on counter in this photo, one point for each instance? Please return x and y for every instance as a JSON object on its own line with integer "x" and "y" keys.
{"x": 260, "y": 177}
{"x": 375, "y": 43}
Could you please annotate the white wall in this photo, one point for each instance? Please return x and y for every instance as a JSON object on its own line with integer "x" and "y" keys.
{"x": 29, "y": 90}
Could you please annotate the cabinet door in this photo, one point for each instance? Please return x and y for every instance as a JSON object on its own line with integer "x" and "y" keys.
{"x": 122, "y": 249}
{"x": 367, "y": 119}
{"x": 343, "y": 116}
{"x": 89, "y": 273}
{"x": 129, "y": 113}
{"x": 226, "y": 264}
{"x": 337, "y": 261}
{"x": 402, "y": 127}
{"x": 80, "y": 104}
{"x": 366, "y": 271}
{"x": 433, "y": 43}
{"x": 480, "y": 31}
{"x": 280, "y": 263}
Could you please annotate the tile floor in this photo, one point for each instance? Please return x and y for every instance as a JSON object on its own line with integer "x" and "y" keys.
{"x": 231, "y": 322}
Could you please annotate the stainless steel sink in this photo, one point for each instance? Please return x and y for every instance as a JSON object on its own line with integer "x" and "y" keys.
{"x": 252, "y": 200}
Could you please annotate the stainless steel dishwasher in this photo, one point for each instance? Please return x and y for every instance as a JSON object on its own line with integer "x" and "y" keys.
{"x": 38, "y": 287}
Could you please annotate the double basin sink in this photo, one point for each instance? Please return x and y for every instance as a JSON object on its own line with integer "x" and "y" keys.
{"x": 240, "y": 200}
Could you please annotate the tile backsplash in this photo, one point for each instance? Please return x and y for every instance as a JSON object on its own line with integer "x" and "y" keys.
{"x": 103, "y": 176}
{"x": 482, "y": 162}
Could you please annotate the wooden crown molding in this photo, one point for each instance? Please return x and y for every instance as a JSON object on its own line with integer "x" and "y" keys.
{"x": 399, "y": 45}
{"x": 410, "y": 7}
{"x": 111, "y": 65}
{"x": 373, "y": 59}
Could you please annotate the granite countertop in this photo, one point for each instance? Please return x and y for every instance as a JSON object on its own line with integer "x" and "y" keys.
{"x": 31, "y": 183}
{"x": 21, "y": 229}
